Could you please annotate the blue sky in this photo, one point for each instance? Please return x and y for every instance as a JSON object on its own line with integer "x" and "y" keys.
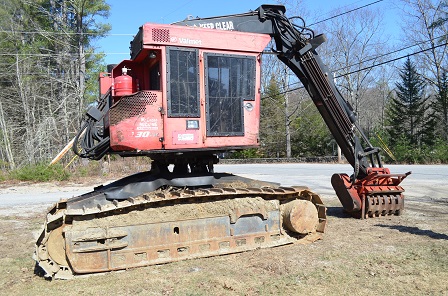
{"x": 127, "y": 16}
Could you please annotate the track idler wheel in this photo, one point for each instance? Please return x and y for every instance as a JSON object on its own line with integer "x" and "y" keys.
{"x": 300, "y": 216}
{"x": 56, "y": 246}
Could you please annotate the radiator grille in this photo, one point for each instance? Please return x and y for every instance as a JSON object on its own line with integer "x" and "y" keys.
{"x": 161, "y": 35}
{"x": 131, "y": 106}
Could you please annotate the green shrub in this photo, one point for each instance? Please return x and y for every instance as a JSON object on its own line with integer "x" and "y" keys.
{"x": 40, "y": 172}
{"x": 440, "y": 151}
{"x": 86, "y": 169}
{"x": 3, "y": 176}
{"x": 247, "y": 153}
{"x": 405, "y": 152}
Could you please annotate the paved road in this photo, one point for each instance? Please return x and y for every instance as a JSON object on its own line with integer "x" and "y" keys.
{"x": 425, "y": 182}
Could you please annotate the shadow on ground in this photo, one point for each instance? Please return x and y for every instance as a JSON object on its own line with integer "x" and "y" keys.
{"x": 338, "y": 212}
{"x": 416, "y": 231}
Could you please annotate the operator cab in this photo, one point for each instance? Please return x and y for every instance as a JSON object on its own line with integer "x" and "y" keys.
{"x": 185, "y": 89}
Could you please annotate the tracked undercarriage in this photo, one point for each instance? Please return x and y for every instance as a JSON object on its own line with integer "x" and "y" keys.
{"x": 112, "y": 229}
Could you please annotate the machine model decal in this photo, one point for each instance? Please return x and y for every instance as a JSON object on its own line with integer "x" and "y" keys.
{"x": 187, "y": 41}
{"x": 146, "y": 128}
{"x": 226, "y": 26}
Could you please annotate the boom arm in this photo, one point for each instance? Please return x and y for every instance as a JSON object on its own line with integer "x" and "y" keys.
{"x": 296, "y": 48}
{"x": 371, "y": 190}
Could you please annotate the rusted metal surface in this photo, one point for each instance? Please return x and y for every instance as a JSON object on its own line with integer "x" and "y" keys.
{"x": 167, "y": 226}
{"x": 378, "y": 194}
{"x": 381, "y": 205}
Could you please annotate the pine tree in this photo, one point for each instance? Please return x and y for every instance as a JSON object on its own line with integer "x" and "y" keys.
{"x": 312, "y": 136}
{"x": 441, "y": 106}
{"x": 408, "y": 115}
{"x": 272, "y": 119}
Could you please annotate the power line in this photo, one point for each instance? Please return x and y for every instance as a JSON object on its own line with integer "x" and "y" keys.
{"x": 123, "y": 53}
{"x": 389, "y": 53}
{"x": 126, "y": 53}
{"x": 342, "y": 75}
{"x": 349, "y": 11}
{"x": 60, "y": 54}
{"x": 66, "y": 33}
{"x": 355, "y": 71}
{"x": 365, "y": 68}
{"x": 128, "y": 34}
{"x": 392, "y": 60}
{"x": 379, "y": 56}
{"x": 183, "y": 5}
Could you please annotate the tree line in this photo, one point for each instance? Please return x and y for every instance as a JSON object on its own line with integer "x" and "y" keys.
{"x": 50, "y": 66}
{"x": 48, "y": 74}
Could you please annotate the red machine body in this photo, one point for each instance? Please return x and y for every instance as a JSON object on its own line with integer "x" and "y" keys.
{"x": 187, "y": 89}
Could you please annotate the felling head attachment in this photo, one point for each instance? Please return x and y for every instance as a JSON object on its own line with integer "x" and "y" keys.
{"x": 378, "y": 194}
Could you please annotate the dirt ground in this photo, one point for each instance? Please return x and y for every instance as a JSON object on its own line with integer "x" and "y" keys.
{"x": 397, "y": 255}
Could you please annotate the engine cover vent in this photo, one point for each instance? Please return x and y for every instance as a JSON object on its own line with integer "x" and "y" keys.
{"x": 160, "y": 35}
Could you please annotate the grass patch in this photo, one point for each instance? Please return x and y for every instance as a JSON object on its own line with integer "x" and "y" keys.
{"x": 77, "y": 171}
{"x": 40, "y": 172}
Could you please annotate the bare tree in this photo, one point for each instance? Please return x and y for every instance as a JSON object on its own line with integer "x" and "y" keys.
{"x": 286, "y": 82}
{"x": 46, "y": 50}
{"x": 356, "y": 44}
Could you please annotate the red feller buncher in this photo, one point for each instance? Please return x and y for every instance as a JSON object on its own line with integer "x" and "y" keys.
{"x": 190, "y": 91}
